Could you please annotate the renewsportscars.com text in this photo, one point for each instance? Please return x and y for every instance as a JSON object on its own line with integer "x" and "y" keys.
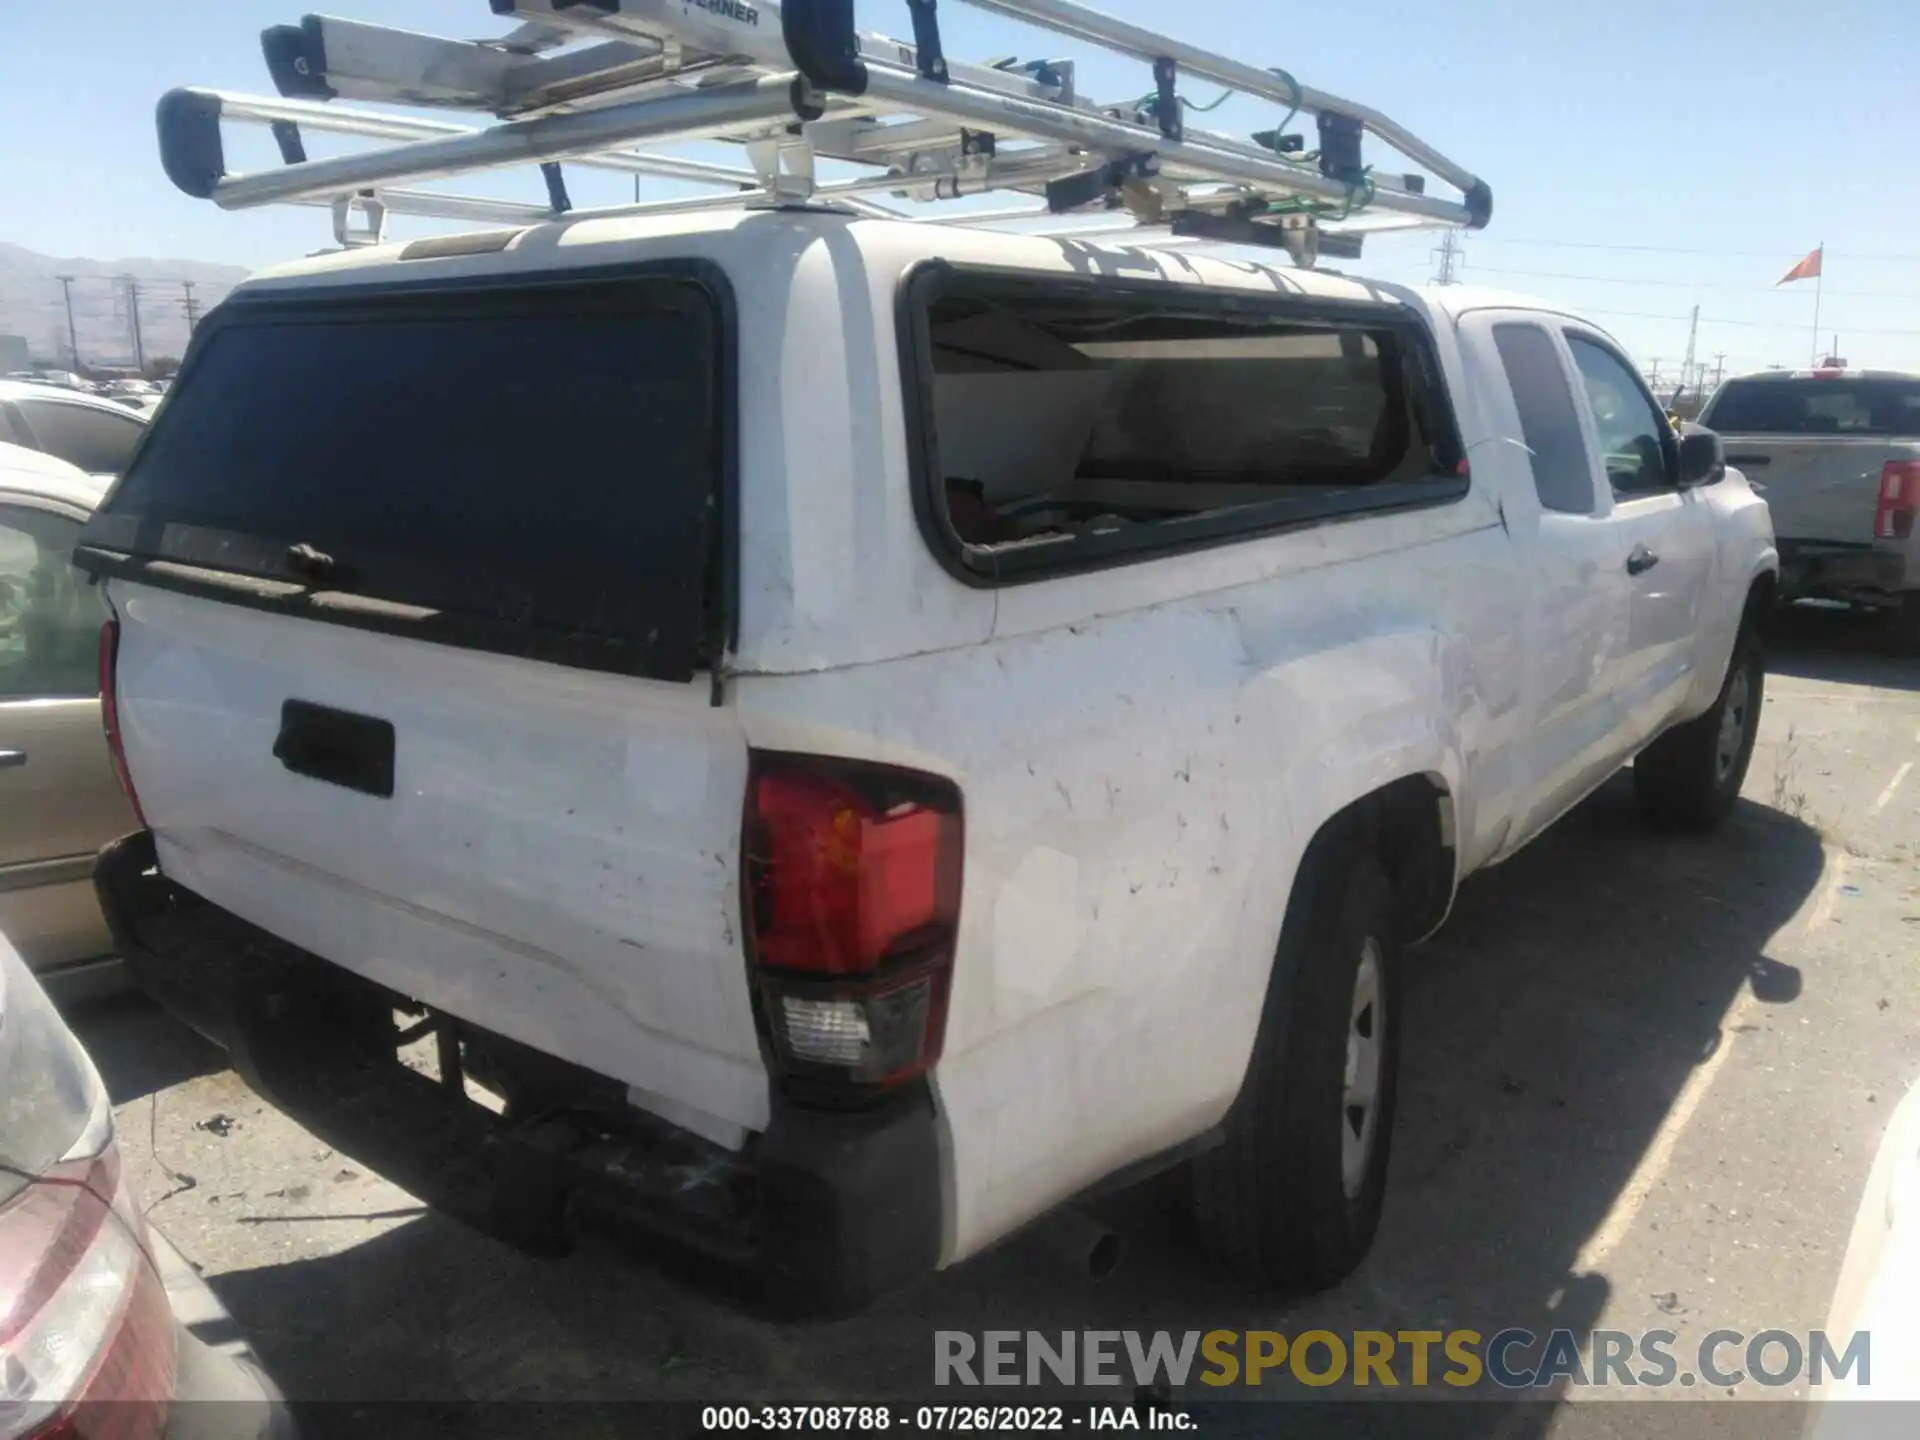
{"x": 1512, "y": 1359}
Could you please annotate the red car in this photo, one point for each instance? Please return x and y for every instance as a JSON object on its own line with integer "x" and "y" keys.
{"x": 97, "y": 1312}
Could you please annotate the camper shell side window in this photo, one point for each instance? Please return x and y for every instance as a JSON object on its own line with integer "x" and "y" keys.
{"x": 1057, "y": 424}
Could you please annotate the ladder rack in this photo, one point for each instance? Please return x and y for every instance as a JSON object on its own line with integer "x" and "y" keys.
{"x": 787, "y": 84}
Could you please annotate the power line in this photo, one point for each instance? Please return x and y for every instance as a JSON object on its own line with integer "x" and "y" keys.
{"x": 1690, "y": 284}
{"x": 1891, "y": 255}
{"x": 1744, "y": 324}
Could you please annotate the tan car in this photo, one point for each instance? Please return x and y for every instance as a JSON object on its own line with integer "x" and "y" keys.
{"x": 59, "y": 798}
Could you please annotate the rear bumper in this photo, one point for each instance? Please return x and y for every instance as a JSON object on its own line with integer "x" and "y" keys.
{"x": 820, "y": 1214}
{"x": 1843, "y": 572}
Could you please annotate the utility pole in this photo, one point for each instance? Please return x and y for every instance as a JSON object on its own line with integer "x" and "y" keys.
{"x": 1686, "y": 365}
{"x": 193, "y": 316}
{"x": 73, "y": 336}
{"x": 1719, "y": 368}
{"x": 1450, "y": 258}
{"x": 1653, "y": 374}
{"x": 133, "y": 322}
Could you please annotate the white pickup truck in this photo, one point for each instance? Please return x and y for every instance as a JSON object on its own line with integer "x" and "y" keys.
{"x": 846, "y": 734}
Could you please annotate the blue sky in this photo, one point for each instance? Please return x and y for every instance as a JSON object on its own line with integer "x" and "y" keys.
{"x": 1645, "y": 157}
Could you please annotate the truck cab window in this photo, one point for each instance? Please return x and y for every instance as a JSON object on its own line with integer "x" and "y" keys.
{"x": 1549, "y": 425}
{"x": 1629, "y": 426}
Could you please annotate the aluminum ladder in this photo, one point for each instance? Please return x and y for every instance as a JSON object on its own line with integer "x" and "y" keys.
{"x": 581, "y": 82}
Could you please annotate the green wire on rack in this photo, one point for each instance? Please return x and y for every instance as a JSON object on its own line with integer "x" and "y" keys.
{"x": 1360, "y": 193}
{"x": 1149, "y": 104}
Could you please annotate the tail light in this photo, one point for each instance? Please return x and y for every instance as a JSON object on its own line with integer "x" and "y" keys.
{"x": 87, "y": 1341}
{"x": 110, "y": 712}
{"x": 1899, "y": 498}
{"x": 86, "y": 1334}
{"x": 852, "y": 875}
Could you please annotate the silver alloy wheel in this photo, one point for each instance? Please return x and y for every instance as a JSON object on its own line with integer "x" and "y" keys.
{"x": 1733, "y": 723}
{"x": 1360, "y": 1094}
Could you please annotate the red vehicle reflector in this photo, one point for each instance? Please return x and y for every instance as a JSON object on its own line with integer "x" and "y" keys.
{"x": 110, "y": 712}
{"x": 1899, "y": 498}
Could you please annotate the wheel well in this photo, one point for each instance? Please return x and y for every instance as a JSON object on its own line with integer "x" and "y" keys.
{"x": 1410, "y": 826}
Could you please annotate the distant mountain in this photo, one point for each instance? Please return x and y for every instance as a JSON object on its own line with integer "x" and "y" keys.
{"x": 31, "y": 303}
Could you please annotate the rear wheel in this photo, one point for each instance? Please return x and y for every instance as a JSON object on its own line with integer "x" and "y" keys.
{"x": 1292, "y": 1197}
{"x": 1903, "y": 625}
{"x": 1689, "y": 778}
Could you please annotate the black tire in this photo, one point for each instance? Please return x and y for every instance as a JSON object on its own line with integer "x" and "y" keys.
{"x": 1903, "y": 625}
{"x": 1277, "y": 1203}
{"x": 1689, "y": 778}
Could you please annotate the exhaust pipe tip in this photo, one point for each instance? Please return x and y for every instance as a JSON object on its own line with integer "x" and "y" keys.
{"x": 1083, "y": 1244}
{"x": 1105, "y": 1254}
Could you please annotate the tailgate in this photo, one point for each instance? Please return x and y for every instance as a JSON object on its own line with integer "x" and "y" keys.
{"x": 1816, "y": 444}
{"x": 1819, "y": 490}
{"x": 418, "y": 595}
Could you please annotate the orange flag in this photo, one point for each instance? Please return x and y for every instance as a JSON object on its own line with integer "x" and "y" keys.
{"x": 1807, "y": 269}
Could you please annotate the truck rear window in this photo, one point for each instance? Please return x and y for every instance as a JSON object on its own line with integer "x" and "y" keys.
{"x": 1810, "y": 406}
{"x": 1063, "y": 424}
{"x": 529, "y": 470}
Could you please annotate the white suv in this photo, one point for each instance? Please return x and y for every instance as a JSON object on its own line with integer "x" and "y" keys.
{"x": 847, "y": 733}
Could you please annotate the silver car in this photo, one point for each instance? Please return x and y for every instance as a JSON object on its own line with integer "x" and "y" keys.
{"x": 60, "y": 800}
{"x": 94, "y": 434}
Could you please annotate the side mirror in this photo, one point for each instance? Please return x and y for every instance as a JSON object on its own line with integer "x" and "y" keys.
{"x": 1703, "y": 457}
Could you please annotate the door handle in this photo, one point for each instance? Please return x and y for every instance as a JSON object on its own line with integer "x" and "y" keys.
{"x": 12, "y": 759}
{"x": 1641, "y": 560}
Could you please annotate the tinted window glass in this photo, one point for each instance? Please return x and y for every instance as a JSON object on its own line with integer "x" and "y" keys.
{"x": 1548, "y": 422}
{"x": 97, "y": 440}
{"x": 1631, "y": 431}
{"x": 506, "y": 464}
{"x": 50, "y": 613}
{"x": 1816, "y": 407}
{"x": 1069, "y": 420}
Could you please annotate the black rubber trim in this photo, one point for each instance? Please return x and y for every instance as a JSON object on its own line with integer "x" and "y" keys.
{"x": 1168, "y": 108}
{"x": 556, "y": 180}
{"x": 296, "y": 57}
{"x": 286, "y": 134}
{"x": 823, "y": 44}
{"x": 1479, "y": 204}
{"x": 930, "y": 60}
{"x": 986, "y": 568}
{"x": 246, "y": 570}
{"x": 1340, "y": 143}
{"x": 188, "y": 125}
{"x": 850, "y": 1203}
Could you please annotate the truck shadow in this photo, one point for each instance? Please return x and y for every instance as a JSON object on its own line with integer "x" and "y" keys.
{"x": 1550, "y": 1027}
{"x": 138, "y": 1049}
{"x": 1846, "y": 647}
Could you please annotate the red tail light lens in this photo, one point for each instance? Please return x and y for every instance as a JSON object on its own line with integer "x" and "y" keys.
{"x": 110, "y": 712}
{"x": 1899, "y": 498}
{"x": 853, "y": 893}
{"x": 840, "y": 881}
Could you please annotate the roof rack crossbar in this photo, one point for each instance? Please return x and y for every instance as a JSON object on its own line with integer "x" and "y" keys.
{"x": 792, "y": 82}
